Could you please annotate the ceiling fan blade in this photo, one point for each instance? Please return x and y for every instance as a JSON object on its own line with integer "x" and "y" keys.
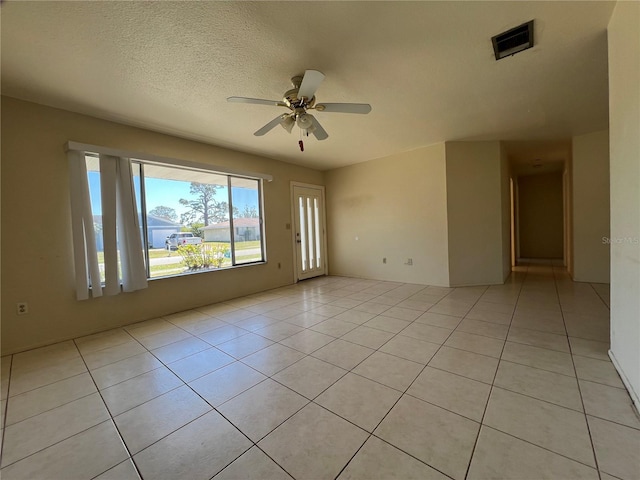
{"x": 257, "y": 101}
{"x": 344, "y": 107}
{"x": 318, "y": 131}
{"x": 310, "y": 83}
{"x": 270, "y": 126}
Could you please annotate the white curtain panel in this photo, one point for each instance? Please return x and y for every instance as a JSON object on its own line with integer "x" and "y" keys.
{"x": 120, "y": 229}
{"x": 134, "y": 273}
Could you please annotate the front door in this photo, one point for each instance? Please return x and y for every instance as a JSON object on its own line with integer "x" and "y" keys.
{"x": 309, "y": 230}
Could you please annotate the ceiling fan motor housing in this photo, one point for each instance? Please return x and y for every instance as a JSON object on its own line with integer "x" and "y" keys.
{"x": 293, "y": 102}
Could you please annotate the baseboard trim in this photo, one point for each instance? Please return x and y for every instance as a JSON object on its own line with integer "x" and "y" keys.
{"x": 634, "y": 395}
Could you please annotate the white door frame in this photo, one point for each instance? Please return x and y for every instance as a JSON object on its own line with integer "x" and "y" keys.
{"x": 323, "y": 220}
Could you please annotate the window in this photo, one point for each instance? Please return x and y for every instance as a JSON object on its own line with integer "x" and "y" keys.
{"x": 191, "y": 220}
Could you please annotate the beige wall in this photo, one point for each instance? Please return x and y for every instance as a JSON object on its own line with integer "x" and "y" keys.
{"x": 590, "y": 170}
{"x": 475, "y": 207}
{"x": 540, "y": 215}
{"x": 393, "y": 208}
{"x": 37, "y": 264}
{"x": 567, "y": 183}
{"x": 624, "y": 125}
{"x": 505, "y": 191}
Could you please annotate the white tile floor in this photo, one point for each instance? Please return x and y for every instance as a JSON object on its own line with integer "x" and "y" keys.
{"x": 334, "y": 377}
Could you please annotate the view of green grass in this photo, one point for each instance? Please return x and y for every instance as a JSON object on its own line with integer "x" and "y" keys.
{"x": 178, "y": 268}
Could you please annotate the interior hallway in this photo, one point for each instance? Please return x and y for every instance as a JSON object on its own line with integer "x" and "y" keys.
{"x": 335, "y": 377}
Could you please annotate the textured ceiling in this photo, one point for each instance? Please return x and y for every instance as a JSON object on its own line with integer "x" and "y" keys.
{"x": 427, "y": 68}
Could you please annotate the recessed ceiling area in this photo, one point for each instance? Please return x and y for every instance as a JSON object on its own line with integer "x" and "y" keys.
{"x": 427, "y": 68}
{"x": 537, "y": 157}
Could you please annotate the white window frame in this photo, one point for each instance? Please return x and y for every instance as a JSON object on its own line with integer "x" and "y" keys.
{"x": 167, "y": 162}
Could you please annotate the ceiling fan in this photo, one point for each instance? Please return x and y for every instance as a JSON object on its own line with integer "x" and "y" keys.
{"x": 299, "y": 100}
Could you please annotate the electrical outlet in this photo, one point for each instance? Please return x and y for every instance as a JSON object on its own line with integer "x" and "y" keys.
{"x": 22, "y": 308}
{"x": 409, "y": 261}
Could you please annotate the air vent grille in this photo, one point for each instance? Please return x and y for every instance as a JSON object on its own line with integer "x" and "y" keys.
{"x": 513, "y": 41}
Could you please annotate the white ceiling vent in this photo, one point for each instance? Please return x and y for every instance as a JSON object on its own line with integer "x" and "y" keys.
{"x": 513, "y": 41}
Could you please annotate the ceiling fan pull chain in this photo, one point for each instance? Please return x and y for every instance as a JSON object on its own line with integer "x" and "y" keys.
{"x": 301, "y": 145}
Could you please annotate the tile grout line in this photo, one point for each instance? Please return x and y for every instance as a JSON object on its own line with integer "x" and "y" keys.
{"x": 111, "y": 418}
{"x": 402, "y": 395}
{"x": 6, "y": 410}
{"x": 475, "y": 444}
{"x": 586, "y": 421}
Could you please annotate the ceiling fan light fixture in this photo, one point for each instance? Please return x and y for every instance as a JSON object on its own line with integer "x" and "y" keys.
{"x": 287, "y": 123}
{"x": 304, "y": 121}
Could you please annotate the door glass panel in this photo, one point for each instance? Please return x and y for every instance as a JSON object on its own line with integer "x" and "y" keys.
{"x": 310, "y": 227}
{"x": 303, "y": 234}
{"x": 316, "y": 214}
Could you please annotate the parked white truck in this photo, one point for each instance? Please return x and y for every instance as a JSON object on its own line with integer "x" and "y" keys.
{"x": 174, "y": 240}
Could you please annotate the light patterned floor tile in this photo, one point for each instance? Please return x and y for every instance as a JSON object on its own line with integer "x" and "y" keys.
{"x": 387, "y": 324}
{"x": 368, "y": 337}
{"x": 314, "y": 443}
{"x": 225, "y": 383}
{"x": 272, "y": 359}
{"x": 138, "y": 390}
{"x": 85, "y": 455}
{"x": 359, "y": 400}
{"x": 542, "y": 358}
{"x": 245, "y": 345}
{"x": 541, "y": 384}
{"x": 24, "y": 381}
{"x": 427, "y": 333}
{"x": 200, "y": 364}
{"x": 123, "y": 471}
{"x": 439, "y": 320}
{"x": 262, "y": 408}
{"x": 458, "y": 394}
{"x": 501, "y": 456}
{"x": 355, "y": 316}
{"x": 335, "y": 328}
{"x": 609, "y": 403}
{"x": 539, "y": 339}
{"x": 410, "y": 349}
{"x": 222, "y": 334}
{"x": 307, "y": 341}
{"x": 124, "y": 370}
{"x": 470, "y": 342}
{"x": 467, "y": 364}
{"x": 549, "y": 426}
{"x": 151, "y": 421}
{"x": 437, "y": 437}
{"x": 200, "y": 449}
{"x": 616, "y": 447}
{"x": 102, "y": 340}
{"x": 180, "y": 349}
{"x": 36, "y": 433}
{"x": 106, "y": 356}
{"x": 343, "y": 354}
{"x": 487, "y": 329}
{"x": 163, "y": 338}
{"x": 377, "y": 460}
{"x": 589, "y": 348}
{"x": 309, "y": 376}
{"x": 253, "y": 464}
{"x": 389, "y": 370}
{"x": 598, "y": 371}
{"x": 279, "y": 331}
{"x": 34, "y": 402}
